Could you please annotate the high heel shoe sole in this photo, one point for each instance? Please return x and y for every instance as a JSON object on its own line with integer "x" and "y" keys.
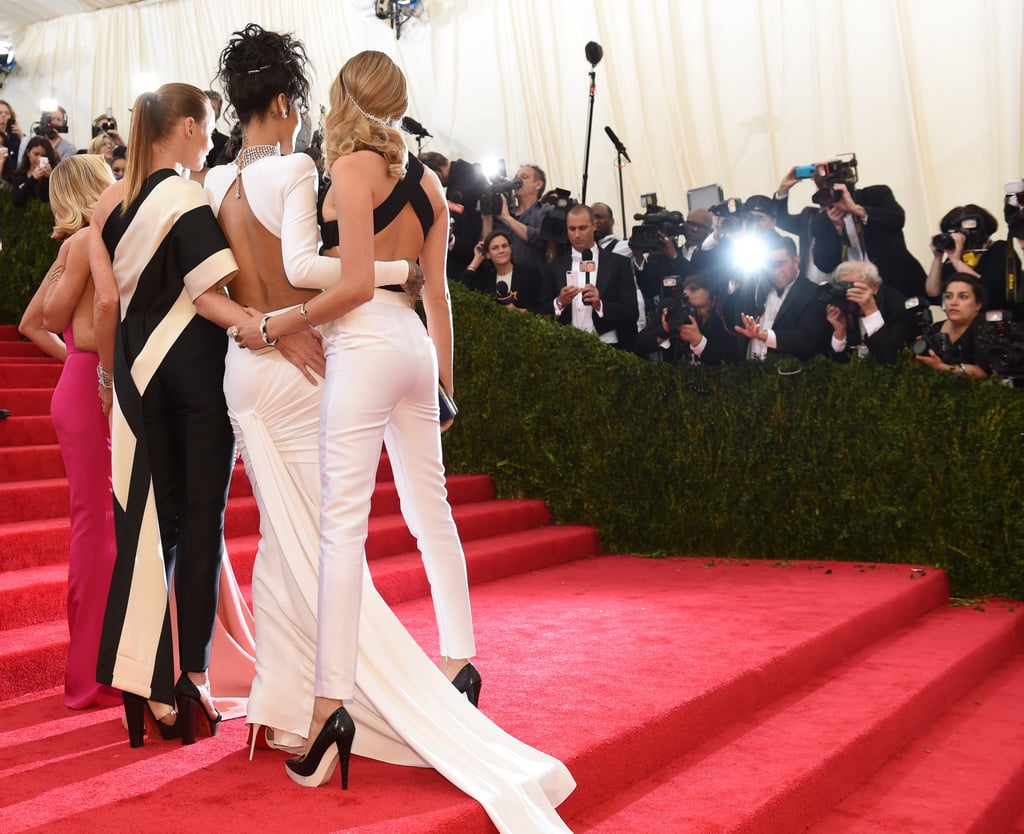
{"x": 323, "y": 773}
{"x": 333, "y": 742}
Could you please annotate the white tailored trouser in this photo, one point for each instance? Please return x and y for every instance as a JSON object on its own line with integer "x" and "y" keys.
{"x": 381, "y": 386}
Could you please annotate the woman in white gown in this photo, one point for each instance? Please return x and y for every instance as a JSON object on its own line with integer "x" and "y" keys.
{"x": 275, "y": 413}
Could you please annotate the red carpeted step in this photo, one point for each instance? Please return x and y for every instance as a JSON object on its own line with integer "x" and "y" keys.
{"x": 32, "y": 658}
{"x": 20, "y": 349}
{"x": 25, "y": 544}
{"x": 401, "y": 577}
{"x": 33, "y": 595}
{"x": 789, "y": 763}
{"x": 29, "y": 500}
{"x": 29, "y": 374}
{"x": 974, "y": 752}
{"x": 27, "y": 431}
{"x": 28, "y": 402}
{"x": 26, "y": 463}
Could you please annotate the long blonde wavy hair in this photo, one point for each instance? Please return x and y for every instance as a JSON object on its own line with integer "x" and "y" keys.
{"x": 369, "y": 83}
{"x": 75, "y": 186}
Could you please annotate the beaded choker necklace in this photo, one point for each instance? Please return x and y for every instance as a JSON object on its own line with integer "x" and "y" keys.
{"x": 247, "y": 156}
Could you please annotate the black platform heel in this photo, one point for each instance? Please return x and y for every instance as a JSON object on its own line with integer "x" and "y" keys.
{"x": 468, "y": 682}
{"x": 334, "y": 742}
{"x": 141, "y": 721}
{"x": 192, "y": 715}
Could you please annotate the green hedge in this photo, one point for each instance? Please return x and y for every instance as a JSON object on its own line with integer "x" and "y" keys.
{"x": 27, "y": 254}
{"x": 764, "y": 460}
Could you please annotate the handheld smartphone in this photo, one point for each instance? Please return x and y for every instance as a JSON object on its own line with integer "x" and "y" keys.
{"x": 44, "y": 162}
{"x": 805, "y": 172}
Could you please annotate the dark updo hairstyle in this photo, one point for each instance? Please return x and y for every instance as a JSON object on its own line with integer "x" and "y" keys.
{"x": 256, "y": 65}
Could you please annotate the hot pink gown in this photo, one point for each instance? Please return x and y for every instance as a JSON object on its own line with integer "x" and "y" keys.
{"x": 84, "y": 436}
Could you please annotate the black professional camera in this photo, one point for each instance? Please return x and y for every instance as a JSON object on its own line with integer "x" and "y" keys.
{"x": 834, "y": 292}
{"x": 654, "y": 222}
{"x": 490, "y": 200}
{"x": 839, "y": 171}
{"x": 673, "y": 299}
{"x": 48, "y": 129}
{"x": 552, "y": 227}
{"x": 106, "y": 126}
{"x": 929, "y": 338}
{"x": 1013, "y": 207}
{"x": 944, "y": 242}
{"x": 1006, "y": 356}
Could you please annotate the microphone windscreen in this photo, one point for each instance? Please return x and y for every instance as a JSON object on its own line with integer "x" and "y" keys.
{"x": 594, "y": 53}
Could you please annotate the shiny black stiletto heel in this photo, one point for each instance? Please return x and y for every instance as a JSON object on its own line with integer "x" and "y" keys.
{"x": 468, "y": 682}
{"x": 332, "y": 743}
{"x": 141, "y": 721}
{"x": 192, "y": 715}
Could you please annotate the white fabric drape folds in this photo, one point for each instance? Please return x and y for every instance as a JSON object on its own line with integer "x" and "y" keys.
{"x": 926, "y": 92}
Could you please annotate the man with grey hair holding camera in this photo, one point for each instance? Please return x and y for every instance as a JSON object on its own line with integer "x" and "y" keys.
{"x": 867, "y": 317}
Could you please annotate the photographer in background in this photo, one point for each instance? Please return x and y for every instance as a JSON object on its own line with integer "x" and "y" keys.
{"x": 867, "y": 317}
{"x": 655, "y": 253}
{"x": 493, "y": 271}
{"x": 11, "y": 139}
{"x": 106, "y": 123}
{"x": 53, "y": 126}
{"x": 953, "y": 345}
{"x": 219, "y": 139}
{"x": 690, "y": 325}
{"x": 32, "y": 178}
{"x": 779, "y": 310}
{"x": 528, "y": 247}
{"x": 964, "y": 246}
{"x": 464, "y": 183}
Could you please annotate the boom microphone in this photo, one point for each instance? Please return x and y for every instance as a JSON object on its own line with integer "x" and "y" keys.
{"x": 618, "y": 144}
{"x": 411, "y": 126}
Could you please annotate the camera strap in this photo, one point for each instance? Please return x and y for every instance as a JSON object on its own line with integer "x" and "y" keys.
{"x": 1012, "y": 273}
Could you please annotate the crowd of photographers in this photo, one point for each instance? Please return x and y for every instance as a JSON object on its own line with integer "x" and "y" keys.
{"x": 724, "y": 285}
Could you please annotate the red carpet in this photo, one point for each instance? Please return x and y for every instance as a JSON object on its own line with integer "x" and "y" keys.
{"x": 684, "y": 694}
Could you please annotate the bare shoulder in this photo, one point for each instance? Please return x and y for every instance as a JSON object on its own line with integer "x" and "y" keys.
{"x": 365, "y": 164}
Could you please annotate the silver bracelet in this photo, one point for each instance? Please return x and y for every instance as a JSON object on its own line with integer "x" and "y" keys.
{"x": 263, "y": 332}
{"x": 305, "y": 315}
{"x": 105, "y": 377}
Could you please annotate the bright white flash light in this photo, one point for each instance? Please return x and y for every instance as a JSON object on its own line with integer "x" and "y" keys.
{"x": 749, "y": 253}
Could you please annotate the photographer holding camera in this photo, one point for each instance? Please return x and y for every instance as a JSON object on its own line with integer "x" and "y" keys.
{"x": 964, "y": 246}
{"x": 53, "y": 126}
{"x": 464, "y": 183}
{"x": 866, "y": 315}
{"x": 32, "y": 178}
{"x": 11, "y": 138}
{"x": 528, "y": 247}
{"x": 690, "y": 325}
{"x": 953, "y": 345}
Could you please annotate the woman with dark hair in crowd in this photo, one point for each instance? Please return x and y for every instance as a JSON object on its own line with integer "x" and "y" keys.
{"x": 32, "y": 177}
{"x": 382, "y": 378}
{"x": 493, "y": 271}
{"x": 156, "y": 247}
{"x": 265, "y": 201}
{"x": 704, "y": 338}
{"x": 64, "y": 304}
{"x": 963, "y": 298}
{"x": 968, "y": 249}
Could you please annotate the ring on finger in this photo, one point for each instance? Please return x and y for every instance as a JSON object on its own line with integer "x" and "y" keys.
{"x": 233, "y": 332}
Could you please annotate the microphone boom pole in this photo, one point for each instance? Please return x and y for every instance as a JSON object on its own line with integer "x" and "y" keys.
{"x": 594, "y": 55}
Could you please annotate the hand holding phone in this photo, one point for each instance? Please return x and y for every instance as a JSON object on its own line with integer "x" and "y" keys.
{"x": 804, "y": 172}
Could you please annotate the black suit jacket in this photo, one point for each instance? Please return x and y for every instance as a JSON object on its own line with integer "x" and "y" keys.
{"x": 801, "y": 329}
{"x": 614, "y": 282}
{"x": 883, "y": 240}
{"x": 897, "y": 333}
{"x": 526, "y": 283}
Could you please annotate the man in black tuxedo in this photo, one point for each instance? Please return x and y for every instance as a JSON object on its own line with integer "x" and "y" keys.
{"x": 874, "y": 320}
{"x": 781, "y": 313}
{"x": 591, "y": 288}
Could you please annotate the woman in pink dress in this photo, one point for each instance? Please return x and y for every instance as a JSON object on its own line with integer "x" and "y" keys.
{"x": 81, "y": 426}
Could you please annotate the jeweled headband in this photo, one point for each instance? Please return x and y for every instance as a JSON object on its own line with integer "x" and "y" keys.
{"x": 385, "y": 122}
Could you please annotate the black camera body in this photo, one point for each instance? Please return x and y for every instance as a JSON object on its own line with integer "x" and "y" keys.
{"x": 834, "y": 293}
{"x": 48, "y": 129}
{"x": 839, "y": 171}
{"x": 553, "y": 227}
{"x": 674, "y": 300}
{"x": 1006, "y": 356}
{"x": 490, "y": 200}
{"x": 656, "y": 221}
{"x": 928, "y": 337}
{"x": 106, "y": 126}
{"x": 944, "y": 242}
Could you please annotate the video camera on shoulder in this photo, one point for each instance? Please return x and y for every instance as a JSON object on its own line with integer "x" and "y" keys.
{"x": 552, "y": 227}
{"x": 655, "y": 221}
{"x": 928, "y": 337}
{"x": 498, "y": 184}
{"x": 839, "y": 171}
